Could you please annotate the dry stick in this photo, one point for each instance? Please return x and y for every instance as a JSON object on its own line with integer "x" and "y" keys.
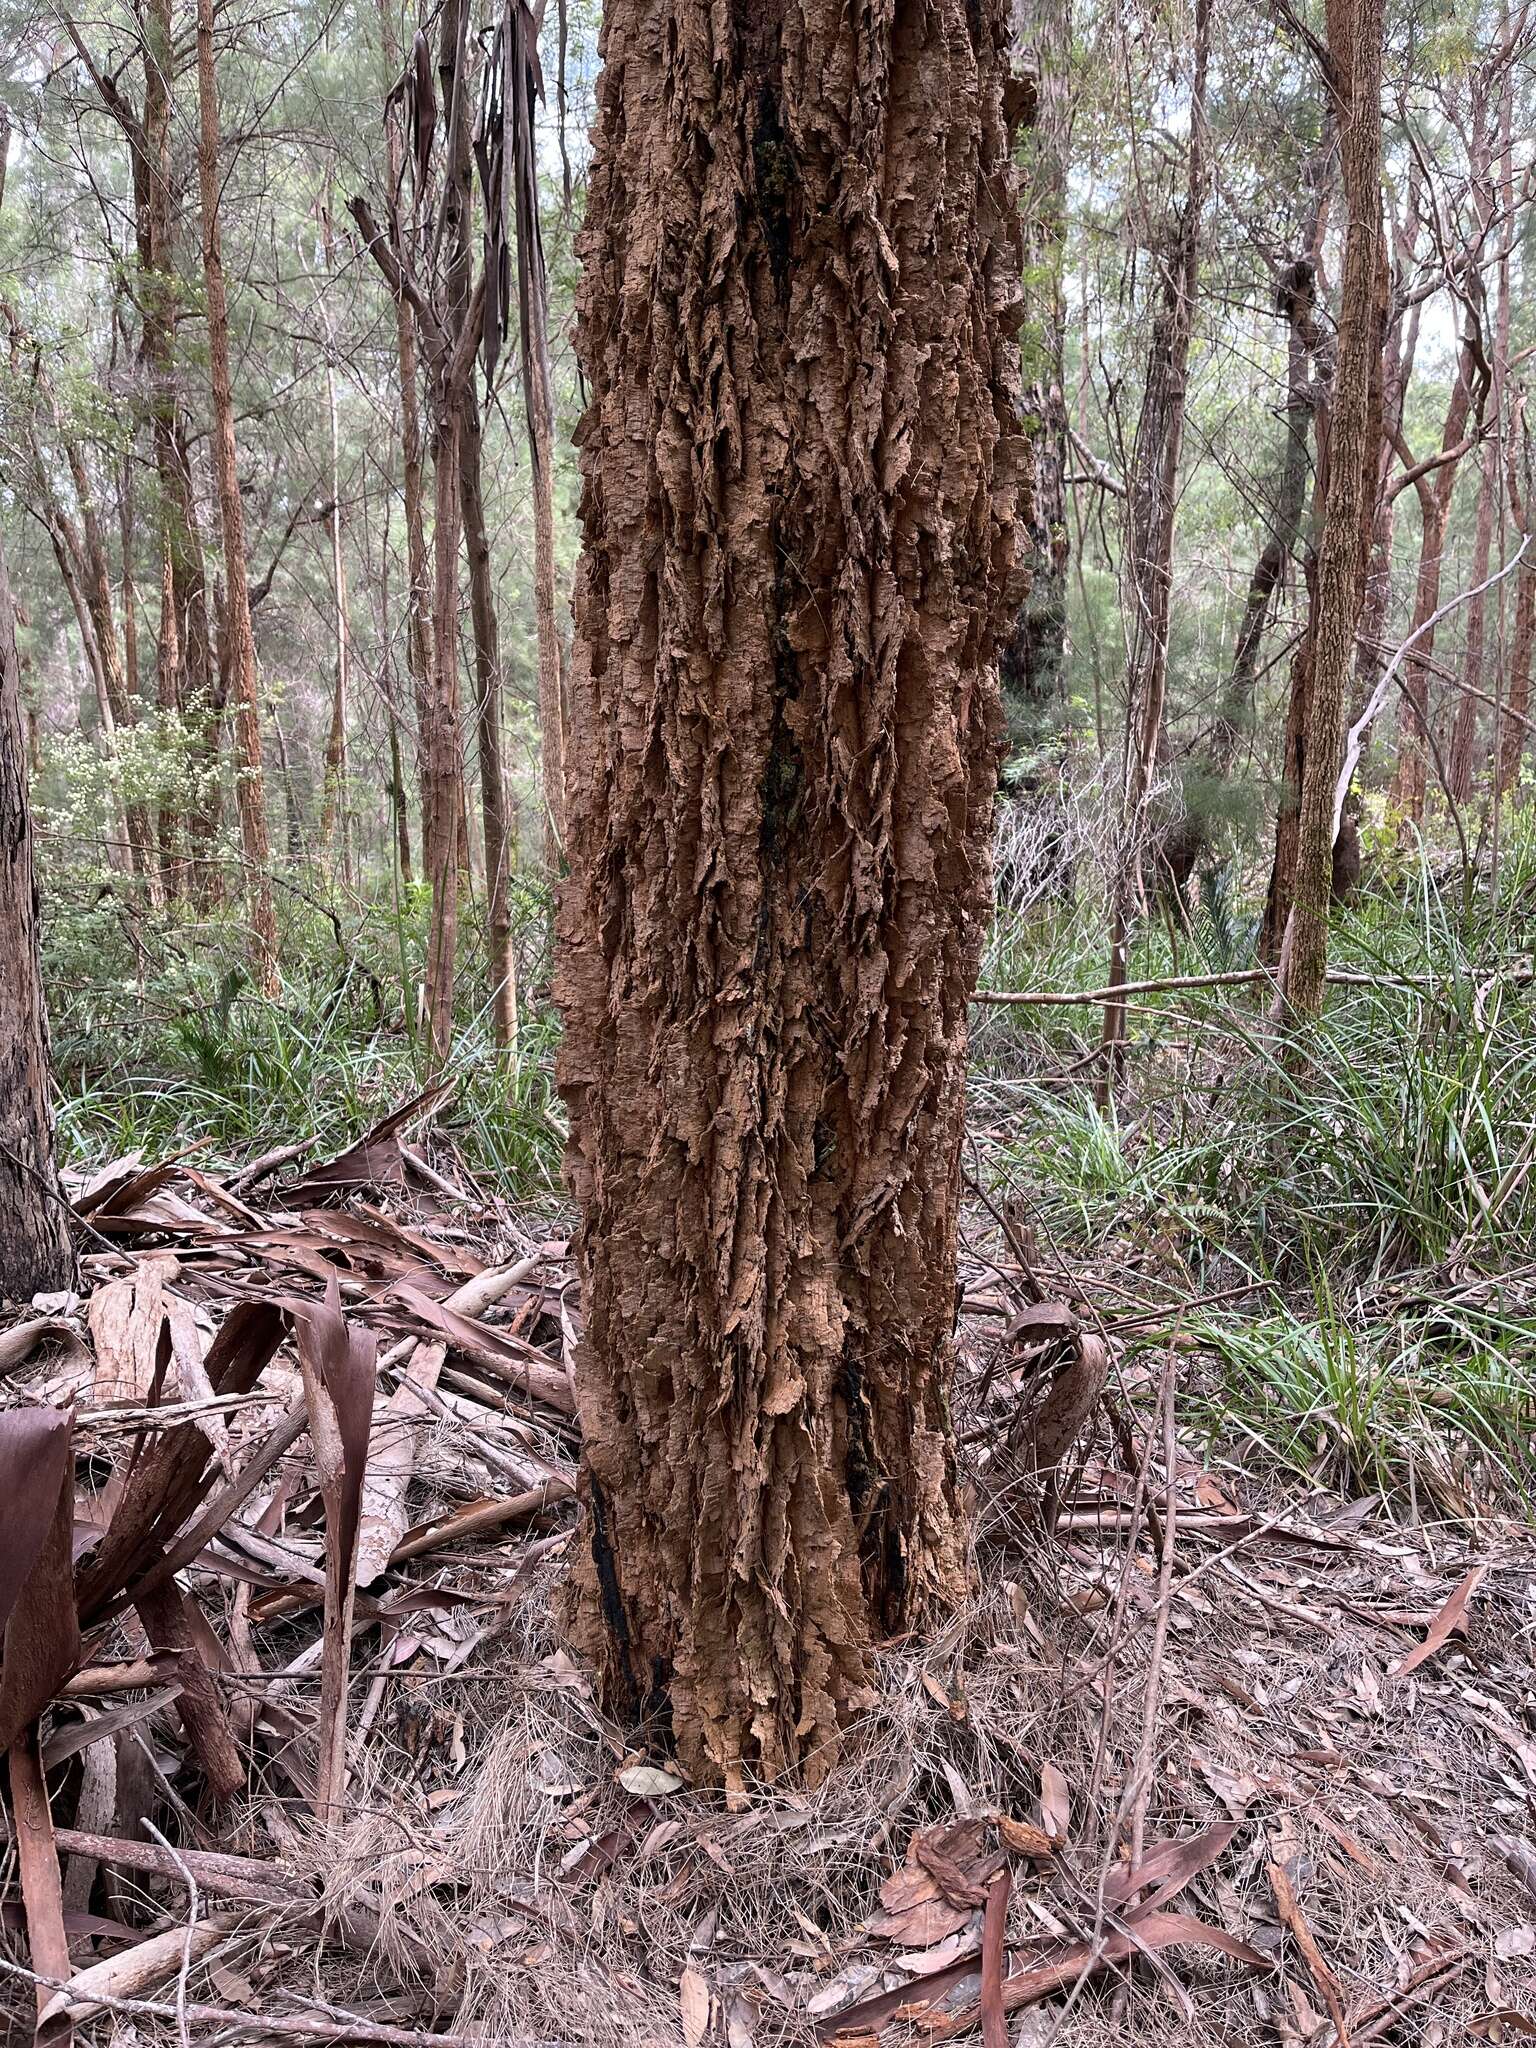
{"x": 994, "y": 1931}
{"x": 293, "y": 2026}
{"x": 492, "y": 1514}
{"x": 97, "y": 1681}
{"x": 1388, "y": 676}
{"x": 234, "y": 1877}
{"x": 1236, "y": 978}
{"x": 193, "y": 1904}
{"x": 1141, "y": 1782}
{"x": 1448, "y": 675}
{"x": 1318, "y": 1966}
{"x": 37, "y": 1854}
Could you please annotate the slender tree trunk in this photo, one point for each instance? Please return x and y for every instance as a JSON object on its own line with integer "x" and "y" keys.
{"x": 97, "y": 577}
{"x": 1296, "y": 301}
{"x": 552, "y": 706}
{"x": 1282, "y": 873}
{"x": 250, "y": 791}
{"x": 398, "y": 802}
{"x": 419, "y": 631}
{"x": 800, "y": 470}
{"x": 293, "y": 816}
{"x": 1032, "y": 662}
{"x": 495, "y": 812}
{"x": 184, "y": 681}
{"x": 442, "y": 770}
{"x": 1399, "y": 348}
{"x": 1151, "y": 500}
{"x": 1459, "y": 768}
{"x": 1518, "y": 689}
{"x": 35, "y": 1251}
{"x": 1354, "y": 29}
{"x": 1435, "y": 492}
{"x": 333, "y": 811}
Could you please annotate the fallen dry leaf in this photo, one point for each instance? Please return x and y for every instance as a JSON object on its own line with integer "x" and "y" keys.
{"x": 693, "y": 1997}
{"x": 647, "y": 1781}
{"x": 37, "y": 1603}
{"x": 1450, "y": 1618}
{"x": 1055, "y": 1803}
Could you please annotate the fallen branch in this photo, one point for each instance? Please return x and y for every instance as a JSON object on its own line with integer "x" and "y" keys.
{"x": 232, "y": 1877}
{"x": 37, "y": 1857}
{"x": 1388, "y": 676}
{"x": 332, "y": 2027}
{"x": 1167, "y": 984}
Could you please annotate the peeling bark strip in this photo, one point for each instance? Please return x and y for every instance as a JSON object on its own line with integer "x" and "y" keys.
{"x": 802, "y": 471}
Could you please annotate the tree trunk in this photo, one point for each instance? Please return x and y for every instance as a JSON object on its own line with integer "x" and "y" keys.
{"x": 1151, "y": 501}
{"x": 97, "y": 575}
{"x": 35, "y": 1251}
{"x": 1517, "y": 691}
{"x": 1399, "y": 348}
{"x": 184, "y": 684}
{"x": 1296, "y": 302}
{"x": 398, "y": 802}
{"x": 1282, "y": 872}
{"x": 334, "y": 820}
{"x": 1032, "y": 663}
{"x": 494, "y": 809}
{"x": 552, "y": 705}
{"x": 250, "y": 792}
{"x": 419, "y": 641}
{"x": 1435, "y": 492}
{"x": 1518, "y": 695}
{"x": 442, "y": 767}
{"x": 1459, "y": 768}
{"x": 1354, "y": 30}
{"x": 801, "y": 466}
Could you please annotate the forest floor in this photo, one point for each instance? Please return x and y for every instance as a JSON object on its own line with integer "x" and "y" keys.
{"x": 1299, "y": 1704}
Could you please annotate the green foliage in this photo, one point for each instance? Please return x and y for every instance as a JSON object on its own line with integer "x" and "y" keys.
{"x": 1376, "y": 1191}
{"x": 165, "y": 1044}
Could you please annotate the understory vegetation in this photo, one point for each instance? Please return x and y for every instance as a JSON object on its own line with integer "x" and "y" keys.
{"x": 1345, "y": 1241}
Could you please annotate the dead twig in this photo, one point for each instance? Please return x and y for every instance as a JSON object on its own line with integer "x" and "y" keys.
{"x": 333, "y": 2027}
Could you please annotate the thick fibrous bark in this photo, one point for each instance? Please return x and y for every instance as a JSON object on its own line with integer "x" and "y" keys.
{"x": 800, "y": 471}
{"x": 34, "y": 1241}
{"x": 1354, "y": 428}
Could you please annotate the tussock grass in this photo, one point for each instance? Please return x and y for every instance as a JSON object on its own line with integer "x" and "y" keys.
{"x": 1381, "y": 1191}
{"x": 198, "y": 1057}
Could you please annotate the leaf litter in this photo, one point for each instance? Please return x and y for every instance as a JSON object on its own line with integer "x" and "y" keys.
{"x": 296, "y": 1750}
